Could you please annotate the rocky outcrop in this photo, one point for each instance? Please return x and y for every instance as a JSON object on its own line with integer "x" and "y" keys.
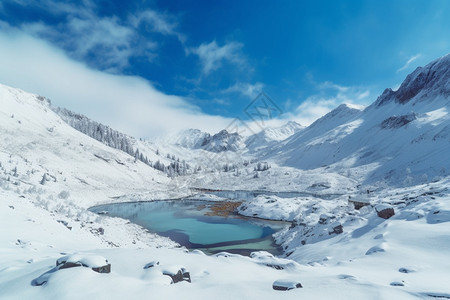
{"x": 428, "y": 81}
{"x": 177, "y": 276}
{"x": 151, "y": 264}
{"x": 286, "y": 285}
{"x": 385, "y": 211}
{"x": 223, "y": 141}
{"x": 398, "y": 121}
{"x": 337, "y": 229}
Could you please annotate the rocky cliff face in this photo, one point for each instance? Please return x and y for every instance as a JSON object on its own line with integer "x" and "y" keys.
{"x": 223, "y": 141}
{"x": 433, "y": 80}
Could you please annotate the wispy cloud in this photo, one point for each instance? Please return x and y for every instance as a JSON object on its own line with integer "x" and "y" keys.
{"x": 157, "y": 22}
{"x": 330, "y": 95}
{"x": 57, "y": 8}
{"x": 246, "y": 89}
{"x": 332, "y": 85}
{"x": 409, "y": 61}
{"x": 105, "y": 42}
{"x": 212, "y": 55}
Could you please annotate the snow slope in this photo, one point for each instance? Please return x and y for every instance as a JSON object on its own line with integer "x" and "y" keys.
{"x": 270, "y": 136}
{"x": 398, "y": 140}
{"x": 35, "y": 141}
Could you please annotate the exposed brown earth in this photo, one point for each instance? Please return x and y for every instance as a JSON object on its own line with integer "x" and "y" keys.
{"x": 223, "y": 208}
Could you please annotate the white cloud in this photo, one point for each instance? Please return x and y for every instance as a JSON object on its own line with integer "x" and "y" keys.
{"x": 112, "y": 41}
{"x": 312, "y": 109}
{"x": 330, "y": 96}
{"x": 211, "y": 55}
{"x": 156, "y": 22}
{"x": 332, "y": 85}
{"x": 57, "y": 7}
{"x": 130, "y": 104}
{"x": 246, "y": 89}
{"x": 409, "y": 61}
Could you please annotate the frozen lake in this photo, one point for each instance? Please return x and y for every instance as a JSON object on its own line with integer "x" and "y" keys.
{"x": 194, "y": 224}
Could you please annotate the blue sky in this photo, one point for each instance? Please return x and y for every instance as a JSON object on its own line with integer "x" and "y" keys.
{"x": 160, "y": 66}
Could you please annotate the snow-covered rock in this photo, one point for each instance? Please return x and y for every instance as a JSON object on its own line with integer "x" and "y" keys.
{"x": 384, "y": 211}
{"x": 286, "y": 285}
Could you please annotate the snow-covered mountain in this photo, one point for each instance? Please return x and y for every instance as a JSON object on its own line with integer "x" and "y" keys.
{"x": 189, "y": 138}
{"x": 272, "y": 135}
{"x": 223, "y": 141}
{"x": 424, "y": 84}
{"x": 402, "y": 138}
{"x": 38, "y": 143}
{"x": 219, "y": 142}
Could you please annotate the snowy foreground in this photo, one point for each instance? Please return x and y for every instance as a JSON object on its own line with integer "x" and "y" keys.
{"x": 404, "y": 257}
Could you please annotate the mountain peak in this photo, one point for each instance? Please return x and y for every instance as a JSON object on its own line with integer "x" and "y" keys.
{"x": 433, "y": 80}
{"x": 340, "y": 113}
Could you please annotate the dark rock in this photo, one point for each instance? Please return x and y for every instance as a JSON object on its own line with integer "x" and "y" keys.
{"x": 324, "y": 218}
{"x": 406, "y": 270}
{"x": 337, "y": 229}
{"x": 385, "y": 213}
{"x": 423, "y": 83}
{"x": 103, "y": 269}
{"x": 286, "y": 285}
{"x": 358, "y": 204}
{"x": 398, "y": 121}
{"x": 293, "y": 224}
{"x": 151, "y": 264}
{"x": 181, "y": 275}
{"x": 397, "y": 283}
{"x": 276, "y": 267}
{"x": 98, "y": 231}
{"x": 95, "y": 263}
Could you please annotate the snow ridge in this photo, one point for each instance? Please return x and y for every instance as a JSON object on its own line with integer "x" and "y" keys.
{"x": 427, "y": 82}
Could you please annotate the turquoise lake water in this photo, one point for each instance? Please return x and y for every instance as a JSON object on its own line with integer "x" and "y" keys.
{"x": 185, "y": 222}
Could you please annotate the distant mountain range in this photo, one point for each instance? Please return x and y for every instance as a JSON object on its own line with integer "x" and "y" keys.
{"x": 402, "y": 138}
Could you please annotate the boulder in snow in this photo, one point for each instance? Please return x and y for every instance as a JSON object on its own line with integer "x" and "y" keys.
{"x": 384, "y": 211}
{"x": 397, "y": 283}
{"x": 336, "y": 229}
{"x": 151, "y": 264}
{"x": 375, "y": 249}
{"x": 286, "y": 285}
{"x": 98, "y": 264}
{"x": 177, "y": 274}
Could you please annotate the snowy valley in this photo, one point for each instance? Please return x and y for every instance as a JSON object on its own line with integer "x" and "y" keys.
{"x": 372, "y": 222}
